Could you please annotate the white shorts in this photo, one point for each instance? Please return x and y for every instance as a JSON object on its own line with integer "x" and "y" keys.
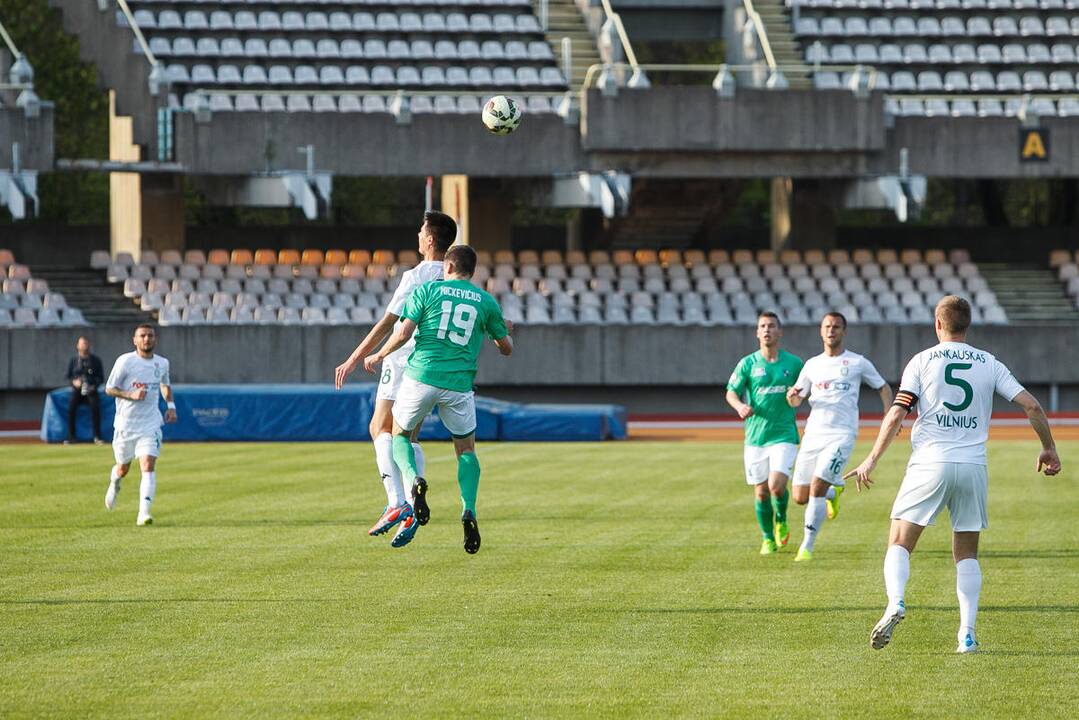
{"x": 389, "y": 379}
{"x": 456, "y": 410}
{"x": 928, "y": 488}
{"x": 825, "y": 459}
{"x": 761, "y": 461}
{"x": 128, "y": 445}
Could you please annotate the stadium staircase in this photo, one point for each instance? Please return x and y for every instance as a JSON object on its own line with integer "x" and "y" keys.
{"x": 785, "y": 48}
{"x": 1029, "y": 293}
{"x": 664, "y": 214}
{"x": 88, "y": 290}
{"x": 564, "y": 19}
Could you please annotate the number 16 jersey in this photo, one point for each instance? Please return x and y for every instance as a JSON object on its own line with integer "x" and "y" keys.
{"x": 453, "y": 318}
{"x": 952, "y": 385}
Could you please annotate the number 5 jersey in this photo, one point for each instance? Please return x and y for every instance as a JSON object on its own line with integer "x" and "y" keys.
{"x": 952, "y": 385}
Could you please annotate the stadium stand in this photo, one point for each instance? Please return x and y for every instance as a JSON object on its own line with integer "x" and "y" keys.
{"x": 643, "y": 287}
{"x": 1066, "y": 265}
{"x": 252, "y": 53}
{"x": 947, "y": 49}
{"x": 27, "y": 301}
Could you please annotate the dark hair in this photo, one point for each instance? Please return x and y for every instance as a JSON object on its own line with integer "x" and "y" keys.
{"x": 953, "y": 313}
{"x": 148, "y": 326}
{"x": 836, "y": 314}
{"x": 442, "y": 227}
{"x": 770, "y": 314}
{"x": 463, "y": 258}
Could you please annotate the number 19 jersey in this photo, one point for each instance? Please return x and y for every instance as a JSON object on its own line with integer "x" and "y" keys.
{"x": 453, "y": 318}
{"x": 953, "y": 385}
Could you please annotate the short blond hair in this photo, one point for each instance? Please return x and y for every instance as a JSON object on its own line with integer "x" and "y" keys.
{"x": 953, "y": 312}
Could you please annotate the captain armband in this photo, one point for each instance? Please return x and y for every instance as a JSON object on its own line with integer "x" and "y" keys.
{"x": 906, "y": 400}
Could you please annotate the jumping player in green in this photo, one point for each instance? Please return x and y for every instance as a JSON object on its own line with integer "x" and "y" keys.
{"x": 450, "y": 319}
{"x": 771, "y": 434}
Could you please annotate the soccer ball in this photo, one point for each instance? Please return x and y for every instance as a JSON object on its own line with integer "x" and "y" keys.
{"x": 501, "y": 115}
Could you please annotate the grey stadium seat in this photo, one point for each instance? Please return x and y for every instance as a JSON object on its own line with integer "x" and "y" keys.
{"x": 349, "y": 103}
{"x": 398, "y": 50}
{"x": 273, "y": 103}
{"x": 252, "y": 48}
{"x": 245, "y": 21}
{"x": 468, "y": 50}
{"x": 327, "y": 48}
{"x": 480, "y": 23}
{"x": 340, "y": 22}
{"x": 207, "y": 47}
{"x": 445, "y": 50}
{"x": 434, "y": 23}
{"x": 382, "y": 75}
{"x": 158, "y": 46}
{"x": 280, "y": 75}
{"x": 351, "y": 49}
{"x": 387, "y": 22}
{"x": 422, "y": 50}
{"x": 316, "y": 22}
{"x": 306, "y": 75}
{"x": 433, "y": 76}
{"x": 292, "y": 21}
{"x": 304, "y": 48}
{"x": 183, "y": 47}
{"x": 357, "y": 75}
{"x": 374, "y": 49}
{"x": 169, "y": 20}
{"x": 890, "y": 53}
{"x": 268, "y": 21}
{"x": 363, "y": 22}
{"x": 280, "y": 48}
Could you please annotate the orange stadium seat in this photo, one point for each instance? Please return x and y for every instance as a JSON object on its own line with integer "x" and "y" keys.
{"x": 935, "y": 256}
{"x": 670, "y": 257}
{"x": 505, "y": 257}
{"x": 909, "y": 257}
{"x": 813, "y": 257}
{"x": 622, "y": 257}
{"x": 741, "y": 257}
{"x": 483, "y": 257}
{"x": 332, "y": 272}
{"x": 265, "y": 256}
{"x": 7, "y": 257}
{"x": 1056, "y": 258}
{"x": 836, "y": 257}
{"x": 382, "y": 257}
{"x": 694, "y": 257}
{"x": 409, "y": 258}
{"x": 528, "y": 257}
{"x": 551, "y": 257}
{"x": 336, "y": 257}
{"x": 887, "y": 256}
{"x": 790, "y": 257}
{"x": 242, "y": 257}
{"x": 359, "y": 257}
{"x": 599, "y": 257}
{"x": 312, "y": 256}
{"x": 861, "y": 256}
{"x": 646, "y": 256}
{"x": 288, "y": 257}
{"x": 194, "y": 257}
{"x": 377, "y": 271}
{"x": 218, "y": 256}
{"x": 718, "y": 257}
{"x": 576, "y": 257}
{"x": 766, "y": 257}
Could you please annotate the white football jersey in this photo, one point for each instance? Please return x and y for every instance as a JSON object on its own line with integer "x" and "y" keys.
{"x": 832, "y": 384}
{"x": 425, "y": 272}
{"x": 953, "y": 385}
{"x": 131, "y": 372}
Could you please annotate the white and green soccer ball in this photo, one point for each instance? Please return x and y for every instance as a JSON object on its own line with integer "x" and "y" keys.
{"x": 501, "y": 115}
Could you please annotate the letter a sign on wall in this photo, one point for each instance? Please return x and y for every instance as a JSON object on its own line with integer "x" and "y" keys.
{"x": 1033, "y": 145}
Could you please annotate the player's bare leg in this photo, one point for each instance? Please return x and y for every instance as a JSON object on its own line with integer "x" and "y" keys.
{"x": 968, "y": 586}
{"x": 777, "y": 489}
{"x": 468, "y": 479}
{"x": 119, "y": 472}
{"x": 815, "y": 513}
{"x": 902, "y": 538}
{"x": 147, "y": 489}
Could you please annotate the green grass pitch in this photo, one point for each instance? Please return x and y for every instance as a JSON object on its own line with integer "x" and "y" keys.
{"x": 615, "y": 580}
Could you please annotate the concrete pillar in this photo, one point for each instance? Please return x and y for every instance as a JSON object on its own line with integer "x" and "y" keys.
{"x": 455, "y": 204}
{"x": 125, "y": 218}
{"x": 782, "y": 200}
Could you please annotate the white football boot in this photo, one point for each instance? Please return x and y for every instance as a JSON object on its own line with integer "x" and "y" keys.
{"x": 967, "y": 642}
{"x": 144, "y": 518}
{"x": 882, "y": 633}
{"x": 111, "y": 493}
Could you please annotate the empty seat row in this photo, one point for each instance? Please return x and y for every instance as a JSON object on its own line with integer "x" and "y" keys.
{"x": 101, "y": 259}
{"x": 395, "y": 4}
{"x": 20, "y": 284}
{"x": 330, "y": 48}
{"x": 929, "y": 5}
{"x": 363, "y": 76}
{"x": 14, "y": 300}
{"x": 929, "y": 26}
{"x": 941, "y": 54}
{"x": 169, "y": 316}
{"x": 134, "y": 288}
{"x": 46, "y": 317}
{"x": 292, "y": 21}
{"x": 980, "y": 81}
{"x": 439, "y": 104}
{"x": 914, "y": 107}
{"x": 1062, "y": 257}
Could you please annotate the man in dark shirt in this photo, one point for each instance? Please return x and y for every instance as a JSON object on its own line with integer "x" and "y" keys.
{"x": 85, "y": 373}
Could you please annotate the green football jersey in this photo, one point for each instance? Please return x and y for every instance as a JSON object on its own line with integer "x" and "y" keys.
{"x": 766, "y": 385}
{"x": 453, "y": 318}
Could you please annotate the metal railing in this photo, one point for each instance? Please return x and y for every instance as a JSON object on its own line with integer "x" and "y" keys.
{"x": 158, "y": 79}
{"x": 762, "y": 34}
{"x": 21, "y": 77}
{"x": 611, "y": 31}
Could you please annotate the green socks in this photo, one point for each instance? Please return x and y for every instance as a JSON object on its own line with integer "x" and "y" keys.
{"x": 468, "y": 479}
{"x": 404, "y": 456}
{"x": 779, "y": 504}
{"x": 765, "y": 519}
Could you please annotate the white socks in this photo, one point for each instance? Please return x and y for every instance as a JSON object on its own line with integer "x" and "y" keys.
{"x": 816, "y": 512}
{"x": 421, "y": 461}
{"x": 830, "y": 495}
{"x": 968, "y": 585}
{"x": 896, "y": 573}
{"x": 114, "y": 475}
{"x": 147, "y": 488}
{"x": 391, "y": 476}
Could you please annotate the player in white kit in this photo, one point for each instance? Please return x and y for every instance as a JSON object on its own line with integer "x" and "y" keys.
{"x": 832, "y": 381}
{"x": 952, "y": 384}
{"x": 138, "y": 380}
{"x": 437, "y": 233}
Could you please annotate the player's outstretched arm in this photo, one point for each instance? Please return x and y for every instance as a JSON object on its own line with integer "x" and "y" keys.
{"x": 1048, "y": 460}
{"x": 740, "y": 407}
{"x": 170, "y": 410}
{"x": 374, "y": 338}
{"x": 889, "y": 428}
{"x": 399, "y": 338}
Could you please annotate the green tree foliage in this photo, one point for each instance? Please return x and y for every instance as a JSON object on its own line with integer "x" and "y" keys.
{"x": 81, "y": 116}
